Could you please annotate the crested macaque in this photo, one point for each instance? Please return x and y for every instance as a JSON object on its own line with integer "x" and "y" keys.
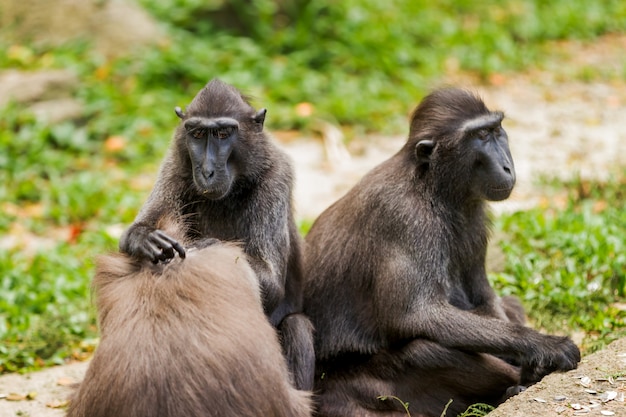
{"x": 187, "y": 338}
{"x": 395, "y": 281}
{"x": 228, "y": 181}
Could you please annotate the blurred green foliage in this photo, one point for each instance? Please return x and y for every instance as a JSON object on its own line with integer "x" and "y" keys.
{"x": 568, "y": 263}
{"x": 363, "y": 61}
{"x": 66, "y": 190}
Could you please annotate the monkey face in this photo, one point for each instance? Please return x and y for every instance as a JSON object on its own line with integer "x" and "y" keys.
{"x": 210, "y": 142}
{"x": 494, "y": 172}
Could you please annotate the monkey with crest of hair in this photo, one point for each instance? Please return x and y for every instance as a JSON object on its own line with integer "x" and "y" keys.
{"x": 396, "y": 283}
{"x": 225, "y": 177}
{"x": 185, "y": 339}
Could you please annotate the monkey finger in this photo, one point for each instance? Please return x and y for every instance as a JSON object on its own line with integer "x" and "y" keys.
{"x": 146, "y": 249}
{"x": 146, "y": 252}
{"x": 152, "y": 252}
{"x": 163, "y": 244}
{"x": 179, "y": 248}
{"x": 172, "y": 243}
{"x": 167, "y": 253}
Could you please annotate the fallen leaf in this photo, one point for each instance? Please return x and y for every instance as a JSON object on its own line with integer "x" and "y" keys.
{"x": 57, "y": 404}
{"x": 12, "y": 396}
{"x": 497, "y": 79}
{"x": 304, "y": 109}
{"x": 65, "y": 381}
{"x": 599, "y": 206}
{"x": 608, "y": 396}
{"x": 115, "y": 143}
{"x": 103, "y": 72}
{"x": 74, "y": 232}
{"x": 585, "y": 381}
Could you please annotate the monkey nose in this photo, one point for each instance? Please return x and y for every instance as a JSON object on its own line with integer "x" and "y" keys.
{"x": 510, "y": 172}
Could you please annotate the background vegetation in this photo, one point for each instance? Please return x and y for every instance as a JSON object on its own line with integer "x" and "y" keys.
{"x": 66, "y": 190}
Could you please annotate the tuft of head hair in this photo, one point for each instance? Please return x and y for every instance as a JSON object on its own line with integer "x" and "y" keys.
{"x": 443, "y": 112}
{"x": 219, "y": 99}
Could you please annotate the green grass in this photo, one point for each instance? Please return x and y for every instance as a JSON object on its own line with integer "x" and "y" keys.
{"x": 362, "y": 64}
{"x": 567, "y": 262}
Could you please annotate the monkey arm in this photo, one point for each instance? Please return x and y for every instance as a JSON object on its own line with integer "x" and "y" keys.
{"x": 269, "y": 234}
{"x": 430, "y": 317}
{"x": 268, "y": 255}
{"x": 271, "y": 289}
{"x": 144, "y": 239}
{"x": 482, "y": 297}
{"x": 414, "y": 305}
{"x": 537, "y": 353}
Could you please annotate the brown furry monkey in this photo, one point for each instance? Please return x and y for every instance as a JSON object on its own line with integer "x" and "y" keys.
{"x": 185, "y": 339}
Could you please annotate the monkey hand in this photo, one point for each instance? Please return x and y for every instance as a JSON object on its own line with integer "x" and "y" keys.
{"x": 159, "y": 247}
{"x": 145, "y": 242}
{"x": 555, "y": 354}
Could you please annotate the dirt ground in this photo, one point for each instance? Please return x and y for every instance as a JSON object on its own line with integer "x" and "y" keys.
{"x": 556, "y": 128}
{"x": 596, "y": 388}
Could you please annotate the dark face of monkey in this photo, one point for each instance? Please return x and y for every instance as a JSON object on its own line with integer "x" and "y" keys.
{"x": 218, "y": 128}
{"x": 210, "y": 143}
{"x": 494, "y": 173}
{"x": 462, "y": 147}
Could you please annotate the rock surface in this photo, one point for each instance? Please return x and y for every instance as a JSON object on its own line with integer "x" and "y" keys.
{"x": 115, "y": 27}
{"x": 48, "y": 94}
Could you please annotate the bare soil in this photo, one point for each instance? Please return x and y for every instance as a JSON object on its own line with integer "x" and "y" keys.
{"x": 596, "y": 388}
{"x": 556, "y": 128}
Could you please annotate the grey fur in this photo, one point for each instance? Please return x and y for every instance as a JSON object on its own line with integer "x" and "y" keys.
{"x": 395, "y": 277}
{"x": 256, "y": 211}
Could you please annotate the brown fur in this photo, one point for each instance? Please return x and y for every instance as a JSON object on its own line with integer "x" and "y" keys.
{"x": 185, "y": 339}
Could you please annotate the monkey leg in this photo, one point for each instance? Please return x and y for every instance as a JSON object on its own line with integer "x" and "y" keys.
{"x": 296, "y": 336}
{"x": 423, "y": 376}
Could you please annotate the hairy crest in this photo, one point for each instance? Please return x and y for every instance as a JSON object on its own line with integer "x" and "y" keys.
{"x": 444, "y": 112}
{"x": 219, "y": 99}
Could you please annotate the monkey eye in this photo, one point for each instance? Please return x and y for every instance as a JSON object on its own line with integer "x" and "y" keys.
{"x": 198, "y": 133}
{"x": 483, "y": 134}
{"x": 222, "y": 132}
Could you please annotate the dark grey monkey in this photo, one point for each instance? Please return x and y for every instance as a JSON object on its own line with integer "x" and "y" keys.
{"x": 228, "y": 181}
{"x": 396, "y": 284}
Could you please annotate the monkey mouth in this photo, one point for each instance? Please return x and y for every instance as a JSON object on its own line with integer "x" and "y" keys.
{"x": 213, "y": 193}
{"x": 213, "y": 188}
{"x": 499, "y": 193}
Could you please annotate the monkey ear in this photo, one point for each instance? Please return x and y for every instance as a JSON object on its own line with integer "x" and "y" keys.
{"x": 179, "y": 112}
{"x": 259, "y": 117}
{"x": 423, "y": 151}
